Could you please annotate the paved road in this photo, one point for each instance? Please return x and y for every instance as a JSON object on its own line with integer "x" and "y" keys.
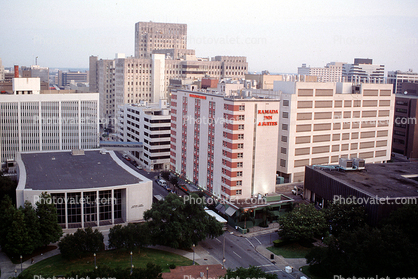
{"x": 241, "y": 252}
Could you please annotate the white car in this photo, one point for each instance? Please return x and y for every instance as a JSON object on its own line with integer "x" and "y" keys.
{"x": 162, "y": 182}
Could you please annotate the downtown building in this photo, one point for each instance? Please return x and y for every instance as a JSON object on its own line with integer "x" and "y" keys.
{"x": 399, "y": 78}
{"x": 332, "y": 72}
{"x": 30, "y": 121}
{"x": 161, "y": 56}
{"x": 323, "y": 122}
{"x": 227, "y": 145}
{"x": 149, "y": 124}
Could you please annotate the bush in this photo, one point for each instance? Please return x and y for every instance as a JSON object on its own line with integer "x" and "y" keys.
{"x": 280, "y": 242}
{"x": 172, "y": 266}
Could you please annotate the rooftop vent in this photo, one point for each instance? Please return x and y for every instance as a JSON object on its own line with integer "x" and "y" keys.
{"x": 346, "y": 164}
{"x": 77, "y": 152}
{"x": 359, "y": 164}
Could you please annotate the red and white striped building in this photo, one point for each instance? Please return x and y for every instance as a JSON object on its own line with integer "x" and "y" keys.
{"x": 226, "y": 145}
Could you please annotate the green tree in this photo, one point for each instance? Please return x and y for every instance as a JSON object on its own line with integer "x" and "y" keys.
{"x": 18, "y": 240}
{"x": 48, "y": 220}
{"x": 302, "y": 223}
{"x": 7, "y": 187}
{"x": 165, "y": 175}
{"x": 406, "y": 220}
{"x": 251, "y": 272}
{"x": 80, "y": 243}
{"x": 180, "y": 223}
{"x": 174, "y": 180}
{"x": 366, "y": 252}
{"x": 130, "y": 237}
{"x": 344, "y": 217}
{"x": 7, "y": 211}
{"x": 32, "y": 224}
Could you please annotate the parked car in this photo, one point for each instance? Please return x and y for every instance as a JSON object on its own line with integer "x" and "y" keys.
{"x": 162, "y": 183}
{"x": 139, "y": 167}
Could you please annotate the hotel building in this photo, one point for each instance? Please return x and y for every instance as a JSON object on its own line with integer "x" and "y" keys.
{"x": 226, "y": 145}
{"x": 322, "y": 122}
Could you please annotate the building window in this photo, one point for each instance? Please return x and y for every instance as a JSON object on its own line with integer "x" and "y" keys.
{"x": 282, "y": 163}
{"x": 284, "y": 127}
{"x": 239, "y": 173}
{"x": 241, "y": 136}
{"x": 239, "y": 183}
{"x": 283, "y": 150}
{"x": 238, "y": 192}
{"x": 284, "y": 139}
{"x": 239, "y": 165}
{"x": 240, "y": 146}
{"x": 285, "y": 114}
{"x": 240, "y": 155}
{"x": 242, "y": 107}
{"x": 240, "y": 127}
{"x": 285, "y": 103}
{"x": 241, "y": 117}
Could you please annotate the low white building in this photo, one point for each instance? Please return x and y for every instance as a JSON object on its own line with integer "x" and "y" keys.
{"x": 89, "y": 188}
{"x": 151, "y": 125}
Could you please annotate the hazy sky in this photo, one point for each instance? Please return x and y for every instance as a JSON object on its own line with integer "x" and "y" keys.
{"x": 274, "y": 35}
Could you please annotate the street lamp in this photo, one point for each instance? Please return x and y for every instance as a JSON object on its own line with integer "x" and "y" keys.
{"x": 21, "y": 269}
{"x": 131, "y": 262}
{"x": 207, "y": 272}
{"x": 193, "y": 253}
{"x": 223, "y": 263}
{"x": 95, "y": 260}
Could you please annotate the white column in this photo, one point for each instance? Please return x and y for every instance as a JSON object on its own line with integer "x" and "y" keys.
{"x": 66, "y": 212}
{"x": 82, "y": 209}
{"x": 113, "y": 206}
{"x": 97, "y": 208}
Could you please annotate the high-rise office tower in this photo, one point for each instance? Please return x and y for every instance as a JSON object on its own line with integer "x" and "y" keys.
{"x": 150, "y": 36}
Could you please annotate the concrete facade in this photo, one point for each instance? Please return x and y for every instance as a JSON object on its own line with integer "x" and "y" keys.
{"x": 151, "y": 125}
{"x": 398, "y": 78}
{"x": 322, "y": 122}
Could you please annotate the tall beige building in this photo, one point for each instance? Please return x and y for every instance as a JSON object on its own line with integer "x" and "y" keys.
{"x": 160, "y": 56}
{"x": 322, "y": 122}
{"x": 332, "y": 72}
{"x": 150, "y": 36}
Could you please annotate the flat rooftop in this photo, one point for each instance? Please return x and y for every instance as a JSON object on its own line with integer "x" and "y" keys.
{"x": 62, "y": 170}
{"x": 382, "y": 180}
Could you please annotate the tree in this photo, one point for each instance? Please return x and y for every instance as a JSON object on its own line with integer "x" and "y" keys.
{"x": 130, "y": 237}
{"x": 174, "y": 180}
{"x": 405, "y": 219}
{"x": 165, "y": 175}
{"x": 302, "y": 223}
{"x": 251, "y": 272}
{"x": 80, "y": 243}
{"x": 344, "y": 217}
{"x": 366, "y": 252}
{"x": 18, "y": 240}
{"x": 180, "y": 223}
{"x": 7, "y": 211}
{"x": 7, "y": 187}
{"x": 32, "y": 224}
{"x": 48, "y": 220}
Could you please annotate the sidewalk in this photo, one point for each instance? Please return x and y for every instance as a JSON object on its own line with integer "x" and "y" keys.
{"x": 201, "y": 256}
{"x": 8, "y": 268}
{"x": 281, "y": 262}
{"x": 256, "y": 230}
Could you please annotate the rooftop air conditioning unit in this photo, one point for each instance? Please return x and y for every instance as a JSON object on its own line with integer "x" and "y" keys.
{"x": 359, "y": 164}
{"x": 346, "y": 164}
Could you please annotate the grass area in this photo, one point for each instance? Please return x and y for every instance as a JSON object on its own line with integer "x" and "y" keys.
{"x": 305, "y": 270}
{"x": 291, "y": 250}
{"x": 56, "y": 265}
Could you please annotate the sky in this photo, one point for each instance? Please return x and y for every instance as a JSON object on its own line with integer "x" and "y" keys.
{"x": 275, "y": 35}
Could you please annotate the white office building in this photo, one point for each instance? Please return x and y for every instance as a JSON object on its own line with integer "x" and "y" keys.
{"x": 41, "y": 122}
{"x": 151, "y": 125}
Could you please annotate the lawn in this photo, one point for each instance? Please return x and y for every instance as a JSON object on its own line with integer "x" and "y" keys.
{"x": 291, "y": 250}
{"x": 56, "y": 265}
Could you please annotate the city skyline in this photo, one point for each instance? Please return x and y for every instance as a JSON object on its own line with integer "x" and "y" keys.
{"x": 274, "y": 35}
